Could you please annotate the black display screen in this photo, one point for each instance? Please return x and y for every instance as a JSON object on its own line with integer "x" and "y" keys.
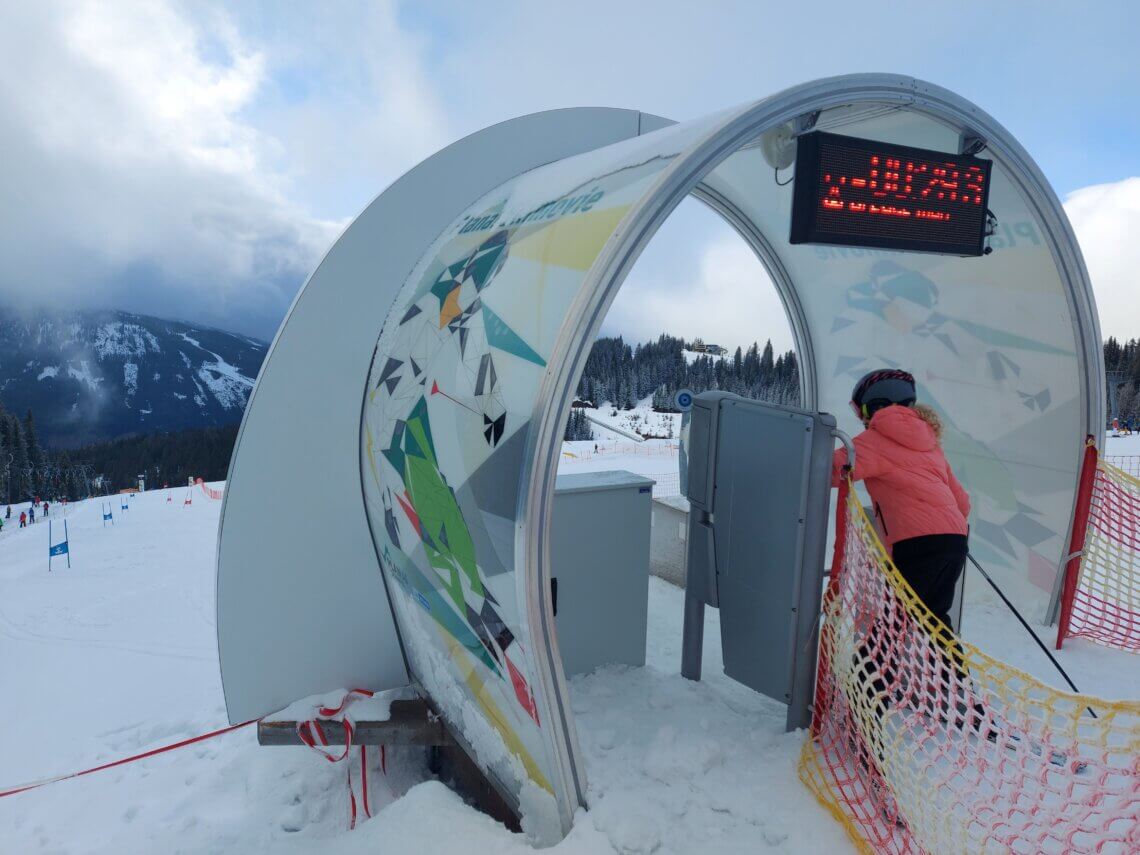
{"x": 857, "y": 192}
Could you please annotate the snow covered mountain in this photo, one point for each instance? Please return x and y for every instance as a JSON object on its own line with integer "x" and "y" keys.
{"x": 95, "y": 375}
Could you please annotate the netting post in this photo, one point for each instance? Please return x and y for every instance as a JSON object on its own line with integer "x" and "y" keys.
{"x": 1077, "y": 540}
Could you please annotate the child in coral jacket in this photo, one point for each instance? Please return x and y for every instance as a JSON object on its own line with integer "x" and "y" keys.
{"x": 922, "y": 511}
{"x": 921, "y": 508}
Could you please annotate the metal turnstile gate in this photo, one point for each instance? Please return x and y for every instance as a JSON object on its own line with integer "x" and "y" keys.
{"x": 759, "y": 482}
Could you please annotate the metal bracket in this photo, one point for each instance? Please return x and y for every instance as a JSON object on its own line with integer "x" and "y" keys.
{"x": 970, "y": 144}
{"x": 805, "y": 122}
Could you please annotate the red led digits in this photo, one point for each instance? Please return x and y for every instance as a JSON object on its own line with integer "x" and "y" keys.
{"x": 922, "y": 190}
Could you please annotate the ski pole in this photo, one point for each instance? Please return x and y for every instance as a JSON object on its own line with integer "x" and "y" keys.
{"x": 1028, "y": 629}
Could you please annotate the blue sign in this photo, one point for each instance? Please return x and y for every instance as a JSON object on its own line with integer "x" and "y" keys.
{"x": 58, "y": 549}
{"x": 683, "y": 400}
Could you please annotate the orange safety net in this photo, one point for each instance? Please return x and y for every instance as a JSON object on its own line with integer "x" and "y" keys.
{"x": 923, "y": 743}
{"x": 1101, "y": 597}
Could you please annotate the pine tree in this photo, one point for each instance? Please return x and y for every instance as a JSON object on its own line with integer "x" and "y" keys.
{"x": 36, "y": 472}
{"x": 5, "y": 454}
{"x": 767, "y": 365}
{"x": 20, "y": 471}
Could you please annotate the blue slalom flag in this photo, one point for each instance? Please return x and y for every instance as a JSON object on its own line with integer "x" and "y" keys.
{"x": 57, "y": 549}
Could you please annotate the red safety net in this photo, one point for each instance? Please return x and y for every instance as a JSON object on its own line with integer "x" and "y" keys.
{"x": 208, "y": 490}
{"x": 923, "y": 743}
{"x": 1101, "y": 596}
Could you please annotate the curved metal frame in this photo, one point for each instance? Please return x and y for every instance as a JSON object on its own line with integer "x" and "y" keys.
{"x": 682, "y": 178}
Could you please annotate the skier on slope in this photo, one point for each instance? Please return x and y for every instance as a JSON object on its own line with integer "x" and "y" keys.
{"x": 23, "y": 519}
{"x": 920, "y": 506}
{"x": 31, "y": 514}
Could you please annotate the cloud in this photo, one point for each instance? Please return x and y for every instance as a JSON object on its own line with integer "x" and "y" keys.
{"x": 196, "y": 159}
{"x": 1106, "y": 219}
{"x": 699, "y": 279}
{"x": 135, "y": 175}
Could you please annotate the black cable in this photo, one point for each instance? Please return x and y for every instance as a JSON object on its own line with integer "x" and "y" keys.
{"x": 1028, "y": 629}
{"x": 780, "y": 183}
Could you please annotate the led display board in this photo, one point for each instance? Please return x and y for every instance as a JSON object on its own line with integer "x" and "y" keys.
{"x": 858, "y": 192}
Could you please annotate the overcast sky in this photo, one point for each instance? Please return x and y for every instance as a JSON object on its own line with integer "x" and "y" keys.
{"x": 195, "y": 160}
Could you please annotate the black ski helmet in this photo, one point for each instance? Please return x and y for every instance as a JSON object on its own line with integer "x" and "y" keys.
{"x": 881, "y": 388}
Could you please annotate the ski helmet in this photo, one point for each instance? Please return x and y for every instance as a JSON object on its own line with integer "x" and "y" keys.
{"x": 881, "y": 388}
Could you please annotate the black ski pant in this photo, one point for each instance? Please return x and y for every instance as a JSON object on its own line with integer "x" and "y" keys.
{"x": 932, "y": 565}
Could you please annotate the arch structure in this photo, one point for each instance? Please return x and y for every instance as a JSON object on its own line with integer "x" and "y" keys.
{"x": 388, "y": 511}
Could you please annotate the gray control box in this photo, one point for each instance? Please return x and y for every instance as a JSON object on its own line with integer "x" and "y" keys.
{"x": 758, "y": 487}
{"x": 600, "y": 552}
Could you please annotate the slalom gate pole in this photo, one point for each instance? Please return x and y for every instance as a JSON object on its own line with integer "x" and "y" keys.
{"x": 1027, "y": 627}
{"x": 49, "y": 546}
{"x": 68, "y": 542}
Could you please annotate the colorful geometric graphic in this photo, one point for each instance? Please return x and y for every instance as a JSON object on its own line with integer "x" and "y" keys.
{"x": 451, "y": 392}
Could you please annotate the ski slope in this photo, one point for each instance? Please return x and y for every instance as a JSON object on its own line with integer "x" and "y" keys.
{"x": 118, "y": 655}
{"x": 642, "y": 420}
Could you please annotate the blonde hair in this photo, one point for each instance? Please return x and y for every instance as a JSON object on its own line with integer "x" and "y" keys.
{"x": 927, "y": 414}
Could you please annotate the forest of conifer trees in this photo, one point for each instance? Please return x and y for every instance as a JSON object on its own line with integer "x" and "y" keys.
{"x": 623, "y": 375}
{"x": 1122, "y": 367}
{"x": 28, "y": 471}
{"x": 615, "y": 372}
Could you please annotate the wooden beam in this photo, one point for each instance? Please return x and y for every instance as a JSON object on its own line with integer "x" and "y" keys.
{"x": 410, "y": 723}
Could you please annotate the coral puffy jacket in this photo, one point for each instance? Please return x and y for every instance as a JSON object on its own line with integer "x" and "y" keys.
{"x": 913, "y": 488}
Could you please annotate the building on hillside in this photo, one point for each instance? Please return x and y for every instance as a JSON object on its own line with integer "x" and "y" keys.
{"x": 699, "y": 346}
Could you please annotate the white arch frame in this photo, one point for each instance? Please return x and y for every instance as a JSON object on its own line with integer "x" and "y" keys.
{"x": 479, "y": 163}
{"x": 680, "y": 179}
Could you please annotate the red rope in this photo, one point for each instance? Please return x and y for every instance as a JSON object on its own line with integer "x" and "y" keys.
{"x": 183, "y": 743}
{"x": 310, "y": 732}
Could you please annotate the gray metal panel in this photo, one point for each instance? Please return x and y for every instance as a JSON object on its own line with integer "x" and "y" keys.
{"x": 758, "y": 551}
{"x": 763, "y": 457}
{"x": 299, "y": 608}
{"x": 600, "y": 552}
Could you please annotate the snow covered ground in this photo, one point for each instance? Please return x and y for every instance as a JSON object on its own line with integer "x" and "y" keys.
{"x": 655, "y": 458}
{"x": 118, "y": 655}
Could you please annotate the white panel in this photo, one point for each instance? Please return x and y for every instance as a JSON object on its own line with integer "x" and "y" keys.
{"x": 300, "y": 602}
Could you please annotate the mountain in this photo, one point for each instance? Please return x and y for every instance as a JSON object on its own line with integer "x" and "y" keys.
{"x": 96, "y": 375}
